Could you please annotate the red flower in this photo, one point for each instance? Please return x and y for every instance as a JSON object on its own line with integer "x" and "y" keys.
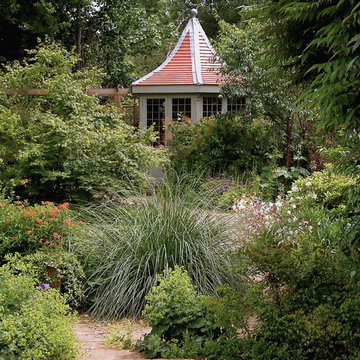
{"x": 29, "y": 231}
{"x": 25, "y": 181}
{"x": 53, "y": 212}
{"x": 3, "y": 205}
{"x": 68, "y": 221}
{"x": 41, "y": 240}
{"x": 20, "y": 207}
{"x": 40, "y": 221}
{"x": 63, "y": 206}
{"x": 48, "y": 203}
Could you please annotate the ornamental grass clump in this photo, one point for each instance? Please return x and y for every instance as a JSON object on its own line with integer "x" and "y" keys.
{"x": 128, "y": 246}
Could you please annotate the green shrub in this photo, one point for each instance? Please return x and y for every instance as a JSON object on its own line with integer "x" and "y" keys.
{"x": 128, "y": 246}
{"x": 303, "y": 290}
{"x": 182, "y": 324}
{"x": 222, "y": 143}
{"x": 59, "y": 269}
{"x": 66, "y": 145}
{"x": 325, "y": 188}
{"x": 25, "y": 229}
{"x": 34, "y": 323}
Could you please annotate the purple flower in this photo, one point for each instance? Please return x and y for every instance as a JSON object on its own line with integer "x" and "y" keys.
{"x": 47, "y": 286}
{"x": 39, "y": 287}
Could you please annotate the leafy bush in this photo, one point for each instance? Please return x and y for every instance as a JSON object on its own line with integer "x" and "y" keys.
{"x": 34, "y": 323}
{"x": 59, "y": 269}
{"x": 127, "y": 246}
{"x": 325, "y": 188}
{"x": 25, "y": 229}
{"x": 303, "y": 289}
{"x": 221, "y": 143}
{"x": 182, "y": 325}
{"x": 65, "y": 144}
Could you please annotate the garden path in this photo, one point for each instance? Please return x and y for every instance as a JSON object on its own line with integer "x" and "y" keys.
{"x": 91, "y": 338}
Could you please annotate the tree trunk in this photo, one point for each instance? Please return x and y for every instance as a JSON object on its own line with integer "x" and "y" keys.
{"x": 288, "y": 148}
{"x": 78, "y": 35}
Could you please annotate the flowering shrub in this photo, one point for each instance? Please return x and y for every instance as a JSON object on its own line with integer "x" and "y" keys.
{"x": 256, "y": 215}
{"x": 25, "y": 228}
{"x": 324, "y": 188}
{"x": 305, "y": 296}
{"x": 34, "y": 323}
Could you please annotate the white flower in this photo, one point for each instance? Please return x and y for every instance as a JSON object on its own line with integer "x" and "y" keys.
{"x": 295, "y": 188}
{"x": 314, "y": 196}
{"x": 310, "y": 227}
{"x": 294, "y": 206}
{"x": 308, "y": 183}
{"x": 278, "y": 204}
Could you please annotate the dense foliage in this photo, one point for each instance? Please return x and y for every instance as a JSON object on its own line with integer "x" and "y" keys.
{"x": 65, "y": 144}
{"x": 320, "y": 41}
{"x": 223, "y": 143}
{"x": 60, "y": 269}
{"x": 183, "y": 324}
{"x": 258, "y": 259}
{"x": 34, "y": 322}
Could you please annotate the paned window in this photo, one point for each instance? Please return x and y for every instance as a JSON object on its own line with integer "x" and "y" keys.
{"x": 237, "y": 104}
{"x": 181, "y": 107}
{"x": 156, "y": 116}
{"x": 211, "y": 106}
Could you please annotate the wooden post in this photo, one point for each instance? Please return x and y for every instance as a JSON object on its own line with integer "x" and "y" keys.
{"x": 135, "y": 114}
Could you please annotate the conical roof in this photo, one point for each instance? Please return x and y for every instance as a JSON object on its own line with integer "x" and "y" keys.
{"x": 192, "y": 62}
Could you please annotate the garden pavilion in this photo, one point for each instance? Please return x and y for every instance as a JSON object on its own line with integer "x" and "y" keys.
{"x": 187, "y": 84}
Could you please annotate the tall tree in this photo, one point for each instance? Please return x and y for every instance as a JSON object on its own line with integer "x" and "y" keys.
{"x": 321, "y": 40}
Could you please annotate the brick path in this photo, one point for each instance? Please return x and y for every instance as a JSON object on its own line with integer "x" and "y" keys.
{"x": 91, "y": 337}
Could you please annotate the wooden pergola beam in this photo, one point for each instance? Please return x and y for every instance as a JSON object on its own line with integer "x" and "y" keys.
{"x": 109, "y": 92}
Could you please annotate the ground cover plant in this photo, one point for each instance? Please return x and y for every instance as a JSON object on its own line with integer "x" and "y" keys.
{"x": 124, "y": 248}
{"x": 35, "y": 323}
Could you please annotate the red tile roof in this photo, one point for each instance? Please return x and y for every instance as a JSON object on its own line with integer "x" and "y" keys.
{"x": 192, "y": 62}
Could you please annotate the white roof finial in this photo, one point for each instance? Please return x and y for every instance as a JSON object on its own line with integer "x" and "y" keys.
{"x": 193, "y": 12}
